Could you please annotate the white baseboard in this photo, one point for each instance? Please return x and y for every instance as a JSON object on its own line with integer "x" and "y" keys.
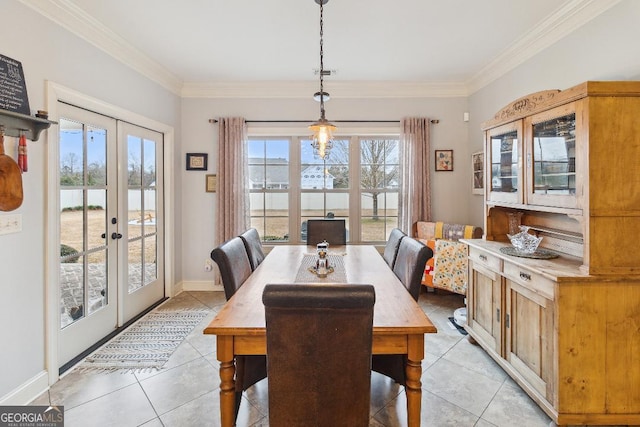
{"x": 201, "y": 286}
{"x": 27, "y": 391}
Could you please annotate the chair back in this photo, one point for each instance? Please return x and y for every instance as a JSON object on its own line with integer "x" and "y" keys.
{"x": 331, "y": 230}
{"x": 319, "y": 340}
{"x": 391, "y": 249}
{"x": 251, "y": 240}
{"x": 234, "y": 265}
{"x": 409, "y": 265}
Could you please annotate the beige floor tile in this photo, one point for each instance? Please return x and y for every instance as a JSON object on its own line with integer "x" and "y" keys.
{"x": 511, "y": 406}
{"x": 122, "y": 408}
{"x": 473, "y": 357}
{"x": 460, "y": 386}
{"x": 78, "y": 387}
{"x": 175, "y": 387}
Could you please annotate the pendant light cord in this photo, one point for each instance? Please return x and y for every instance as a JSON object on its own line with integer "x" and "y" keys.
{"x": 321, "y": 62}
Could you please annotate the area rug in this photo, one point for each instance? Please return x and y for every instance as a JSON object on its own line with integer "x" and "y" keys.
{"x": 147, "y": 344}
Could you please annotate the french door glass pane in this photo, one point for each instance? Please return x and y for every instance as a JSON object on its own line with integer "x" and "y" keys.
{"x": 141, "y": 202}
{"x": 83, "y": 221}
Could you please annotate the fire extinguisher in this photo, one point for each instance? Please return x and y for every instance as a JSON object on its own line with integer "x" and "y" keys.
{"x": 22, "y": 153}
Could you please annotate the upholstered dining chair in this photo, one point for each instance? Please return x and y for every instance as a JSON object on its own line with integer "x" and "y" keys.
{"x": 251, "y": 240}
{"x": 319, "y": 341}
{"x": 235, "y": 268}
{"x": 331, "y": 230}
{"x": 391, "y": 248}
{"x": 408, "y": 267}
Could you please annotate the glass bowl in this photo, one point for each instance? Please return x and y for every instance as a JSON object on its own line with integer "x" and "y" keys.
{"x": 524, "y": 242}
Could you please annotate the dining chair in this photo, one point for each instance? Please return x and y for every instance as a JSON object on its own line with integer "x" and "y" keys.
{"x": 391, "y": 248}
{"x": 408, "y": 267}
{"x": 319, "y": 340}
{"x": 235, "y": 268}
{"x": 251, "y": 240}
{"x": 331, "y": 230}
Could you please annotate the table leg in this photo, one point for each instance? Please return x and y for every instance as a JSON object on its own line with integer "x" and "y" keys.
{"x": 227, "y": 384}
{"x": 413, "y": 387}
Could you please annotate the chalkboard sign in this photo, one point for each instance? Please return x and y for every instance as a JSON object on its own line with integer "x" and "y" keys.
{"x": 13, "y": 89}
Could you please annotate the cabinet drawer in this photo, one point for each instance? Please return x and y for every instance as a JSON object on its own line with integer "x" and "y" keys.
{"x": 485, "y": 259}
{"x": 530, "y": 280}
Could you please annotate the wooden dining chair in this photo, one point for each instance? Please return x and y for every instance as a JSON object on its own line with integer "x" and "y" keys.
{"x": 391, "y": 248}
{"x": 319, "y": 340}
{"x": 408, "y": 267}
{"x": 332, "y": 230}
{"x": 235, "y": 268}
{"x": 251, "y": 240}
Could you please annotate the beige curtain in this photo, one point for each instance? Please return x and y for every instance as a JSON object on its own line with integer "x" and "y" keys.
{"x": 232, "y": 180}
{"x": 415, "y": 174}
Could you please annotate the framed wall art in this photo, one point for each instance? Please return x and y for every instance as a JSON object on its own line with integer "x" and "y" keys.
{"x": 212, "y": 182}
{"x": 197, "y": 161}
{"x": 444, "y": 160}
{"x": 477, "y": 168}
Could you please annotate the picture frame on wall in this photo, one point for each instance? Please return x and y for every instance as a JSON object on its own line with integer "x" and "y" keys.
{"x": 477, "y": 168}
{"x": 444, "y": 160}
{"x": 197, "y": 161}
{"x": 212, "y": 182}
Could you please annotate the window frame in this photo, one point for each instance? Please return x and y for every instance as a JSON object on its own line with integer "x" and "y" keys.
{"x": 295, "y": 136}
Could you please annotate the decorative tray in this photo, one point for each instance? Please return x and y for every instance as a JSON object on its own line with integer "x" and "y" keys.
{"x": 538, "y": 254}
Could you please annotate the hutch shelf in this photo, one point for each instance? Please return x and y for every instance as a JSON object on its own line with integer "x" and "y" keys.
{"x": 567, "y": 164}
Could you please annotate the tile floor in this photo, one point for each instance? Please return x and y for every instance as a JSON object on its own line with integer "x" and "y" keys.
{"x": 462, "y": 386}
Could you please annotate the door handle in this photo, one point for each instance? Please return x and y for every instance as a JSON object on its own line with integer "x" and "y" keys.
{"x": 115, "y": 236}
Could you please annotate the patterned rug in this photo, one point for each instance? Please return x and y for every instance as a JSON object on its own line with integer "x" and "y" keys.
{"x": 147, "y": 344}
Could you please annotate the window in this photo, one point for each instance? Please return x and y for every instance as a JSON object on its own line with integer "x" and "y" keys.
{"x": 289, "y": 186}
{"x": 269, "y": 187}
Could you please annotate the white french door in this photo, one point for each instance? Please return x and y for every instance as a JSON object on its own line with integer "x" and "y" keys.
{"x": 111, "y": 240}
{"x": 142, "y": 249}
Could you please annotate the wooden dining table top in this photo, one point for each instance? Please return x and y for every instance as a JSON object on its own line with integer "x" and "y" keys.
{"x": 395, "y": 311}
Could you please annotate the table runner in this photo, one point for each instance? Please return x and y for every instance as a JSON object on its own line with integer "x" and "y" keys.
{"x": 339, "y": 274}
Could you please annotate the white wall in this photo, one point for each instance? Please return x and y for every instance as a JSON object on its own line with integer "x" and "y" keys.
{"x": 451, "y": 190}
{"x": 48, "y": 52}
{"x": 604, "y": 49}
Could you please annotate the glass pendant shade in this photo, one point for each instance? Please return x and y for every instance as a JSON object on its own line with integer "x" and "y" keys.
{"x": 322, "y": 138}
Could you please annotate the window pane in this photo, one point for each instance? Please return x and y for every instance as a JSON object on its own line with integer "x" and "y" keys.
{"x": 96, "y": 153}
{"x": 268, "y": 185}
{"x": 71, "y": 153}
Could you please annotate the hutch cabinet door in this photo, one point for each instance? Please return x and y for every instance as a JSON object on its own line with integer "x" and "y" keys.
{"x": 503, "y": 149}
{"x": 484, "y": 306}
{"x": 552, "y": 157}
{"x": 529, "y": 337}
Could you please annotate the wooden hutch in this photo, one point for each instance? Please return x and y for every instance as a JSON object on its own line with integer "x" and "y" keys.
{"x": 567, "y": 330}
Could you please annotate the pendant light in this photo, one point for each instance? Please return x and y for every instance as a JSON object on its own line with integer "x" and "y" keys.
{"x": 322, "y": 138}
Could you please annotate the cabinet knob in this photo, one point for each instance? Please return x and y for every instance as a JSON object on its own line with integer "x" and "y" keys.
{"x": 525, "y": 276}
{"x": 483, "y": 257}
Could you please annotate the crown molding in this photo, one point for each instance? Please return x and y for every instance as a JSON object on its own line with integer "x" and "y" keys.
{"x": 562, "y": 22}
{"x": 556, "y": 26}
{"x": 337, "y": 89}
{"x": 71, "y": 17}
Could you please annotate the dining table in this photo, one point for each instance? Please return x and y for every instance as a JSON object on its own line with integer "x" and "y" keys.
{"x": 399, "y": 323}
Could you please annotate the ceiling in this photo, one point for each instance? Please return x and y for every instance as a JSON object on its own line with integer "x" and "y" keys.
{"x": 231, "y": 47}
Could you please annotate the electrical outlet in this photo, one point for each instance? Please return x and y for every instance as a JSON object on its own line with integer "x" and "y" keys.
{"x": 10, "y": 223}
{"x": 208, "y": 265}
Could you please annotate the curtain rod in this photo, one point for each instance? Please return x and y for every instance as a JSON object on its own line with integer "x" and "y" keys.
{"x": 434, "y": 121}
